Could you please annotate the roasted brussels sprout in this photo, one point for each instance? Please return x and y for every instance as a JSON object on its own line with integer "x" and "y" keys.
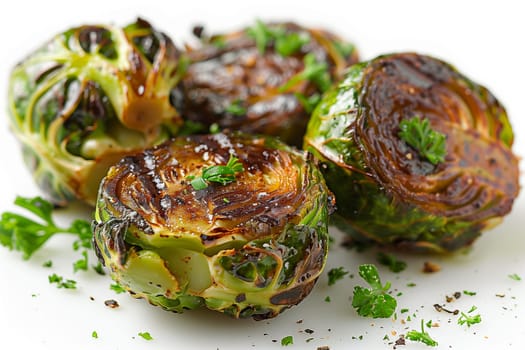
{"x": 234, "y": 223}
{"x": 264, "y": 79}
{"x": 89, "y": 96}
{"x": 417, "y": 155}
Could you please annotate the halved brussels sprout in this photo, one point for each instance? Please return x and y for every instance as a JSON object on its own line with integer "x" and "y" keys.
{"x": 418, "y": 155}
{"x": 89, "y": 96}
{"x": 264, "y": 79}
{"x": 250, "y": 242}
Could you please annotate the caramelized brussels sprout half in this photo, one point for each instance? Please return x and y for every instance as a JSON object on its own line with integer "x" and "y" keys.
{"x": 89, "y": 96}
{"x": 251, "y": 245}
{"x": 417, "y": 155}
{"x": 264, "y": 79}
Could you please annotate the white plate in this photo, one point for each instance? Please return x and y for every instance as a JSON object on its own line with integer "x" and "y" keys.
{"x": 483, "y": 39}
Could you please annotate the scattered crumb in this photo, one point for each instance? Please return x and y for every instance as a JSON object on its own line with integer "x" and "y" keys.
{"x": 400, "y": 341}
{"x": 440, "y": 308}
{"x": 430, "y": 267}
{"x": 111, "y": 303}
{"x": 324, "y": 347}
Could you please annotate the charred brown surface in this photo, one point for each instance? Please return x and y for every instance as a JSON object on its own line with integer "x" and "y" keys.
{"x": 154, "y": 185}
{"x": 230, "y": 70}
{"x": 470, "y": 183}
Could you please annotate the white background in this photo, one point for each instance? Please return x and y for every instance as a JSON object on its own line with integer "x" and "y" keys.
{"x": 485, "y": 40}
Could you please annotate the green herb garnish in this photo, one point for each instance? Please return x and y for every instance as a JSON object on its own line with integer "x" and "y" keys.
{"x": 288, "y": 44}
{"x": 515, "y": 277}
{"x": 26, "y": 235}
{"x": 145, "y": 335}
{"x": 61, "y": 283}
{"x": 288, "y": 340}
{"x": 466, "y": 292}
{"x": 94, "y": 334}
{"x": 214, "y": 128}
{"x": 223, "y": 174}
{"x": 313, "y": 71}
{"x": 81, "y": 264}
{"x": 336, "y": 274}
{"x": 48, "y": 263}
{"x": 391, "y": 261}
{"x": 422, "y": 336}
{"x": 236, "y": 108}
{"x": 429, "y": 143}
{"x": 373, "y": 302}
{"x": 117, "y": 288}
{"x": 327, "y": 299}
{"x": 345, "y": 49}
{"x": 98, "y": 268}
{"x": 261, "y": 34}
{"x": 469, "y": 320}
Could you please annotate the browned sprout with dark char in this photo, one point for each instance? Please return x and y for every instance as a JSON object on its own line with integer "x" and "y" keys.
{"x": 249, "y": 241}
{"x": 418, "y": 155}
{"x": 263, "y": 79}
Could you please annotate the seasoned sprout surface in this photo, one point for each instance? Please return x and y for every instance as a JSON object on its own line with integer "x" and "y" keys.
{"x": 264, "y": 79}
{"x": 86, "y": 98}
{"x": 250, "y": 246}
{"x": 418, "y": 155}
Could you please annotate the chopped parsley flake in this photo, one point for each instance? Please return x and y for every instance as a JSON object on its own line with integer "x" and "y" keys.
{"x": 313, "y": 71}
{"x": 391, "y": 262}
{"x": 145, "y": 335}
{"x": 422, "y": 336}
{"x": 236, "y": 108}
{"x": 469, "y": 320}
{"x": 515, "y": 277}
{"x": 94, "y": 334}
{"x": 117, "y": 288}
{"x": 288, "y": 340}
{"x": 61, "y": 283}
{"x": 336, "y": 274}
{"x": 81, "y": 264}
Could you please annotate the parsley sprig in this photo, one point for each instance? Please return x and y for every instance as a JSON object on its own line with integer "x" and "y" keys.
{"x": 23, "y": 234}
{"x": 373, "y": 302}
{"x": 422, "y": 336}
{"x": 429, "y": 143}
{"x": 223, "y": 174}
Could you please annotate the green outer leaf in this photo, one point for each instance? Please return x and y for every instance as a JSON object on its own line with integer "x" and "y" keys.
{"x": 67, "y": 161}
